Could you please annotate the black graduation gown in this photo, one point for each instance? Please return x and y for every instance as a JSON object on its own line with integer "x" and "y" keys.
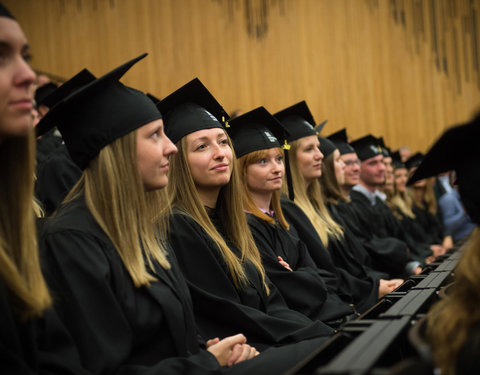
{"x": 381, "y": 234}
{"x": 361, "y": 291}
{"x": 304, "y": 289}
{"x": 222, "y": 309}
{"x": 35, "y": 346}
{"x": 56, "y": 175}
{"x": 46, "y": 144}
{"x": 117, "y": 327}
{"x": 431, "y": 225}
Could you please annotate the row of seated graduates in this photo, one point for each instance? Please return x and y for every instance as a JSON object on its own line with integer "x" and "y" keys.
{"x": 300, "y": 110}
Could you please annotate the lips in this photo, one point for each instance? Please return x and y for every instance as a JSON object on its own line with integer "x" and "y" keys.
{"x": 220, "y": 167}
{"x": 24, "y": 104}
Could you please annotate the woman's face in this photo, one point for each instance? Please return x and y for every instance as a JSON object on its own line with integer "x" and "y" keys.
{"x": 339, "y": 167}
{"x": 309, "y": 158}
{"x": 210, "y": 158}
{"x": 16, "y": 81}
{"x": 400, "y": 178}
{"x": 266, "y": 174}
{"x": 153, "y": 151}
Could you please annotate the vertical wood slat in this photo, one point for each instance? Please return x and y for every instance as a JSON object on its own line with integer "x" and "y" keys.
{"x": 350, "y": 60}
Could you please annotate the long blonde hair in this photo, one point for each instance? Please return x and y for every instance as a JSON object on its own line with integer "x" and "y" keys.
{"x": 310, "y": 200}
{"x": 184, "y": 197}
{"x": 128, "y": 215}
{"x": 250, "y": 206}
{"x": 450, "y": 320}
{"x": 19, "y": 260}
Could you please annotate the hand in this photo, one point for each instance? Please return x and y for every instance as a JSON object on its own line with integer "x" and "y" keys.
{"x": 231, "y": 350}
{"x": 447, "y": 242}
{"x": 437, "y": 250}
{"x": 285, "y": 264}
{"x": 387, "y": 286}
{"x": 417, "y": 271}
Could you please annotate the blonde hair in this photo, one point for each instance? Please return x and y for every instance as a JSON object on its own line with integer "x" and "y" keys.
{"x": 309, "y": 199}
{"x": 19, "y": 260}
{"x": 230, "y": 208}
{"x": 129, "y": 216}
{"x": 330, "y": 190}
{"x": 250, "y": 206}
{"x": 451, "y": 319}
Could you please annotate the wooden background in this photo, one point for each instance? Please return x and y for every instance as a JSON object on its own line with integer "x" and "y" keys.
{"x": 401, "y": 69}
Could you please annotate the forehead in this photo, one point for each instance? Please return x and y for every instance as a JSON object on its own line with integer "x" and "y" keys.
{"x": 373, "y": 161}
{"x": 11, "y": 33}
{"x": 205, "y": 133}
{"x": 311, "y": 139}
{"x": 349, "y": 156}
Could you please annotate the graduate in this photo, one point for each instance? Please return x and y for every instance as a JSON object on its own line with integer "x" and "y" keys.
{"x": 305, "y": 163}
{"x": 454, "y": 322}
{"x": 25, "y": 301}
{"x": 209, "y": 231}
{"x": 257, "y": 137}
{"x": 353, "y": 257}
{"x": 117, "y": 289}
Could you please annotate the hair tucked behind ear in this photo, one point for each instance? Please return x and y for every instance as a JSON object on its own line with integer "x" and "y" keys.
{"x": 451, "y": 319}
{"x": 129, "y": 216}
{"x": 310, "y": 200}
{"x": 184, "y": 197}
{"x": 19, "y": 261}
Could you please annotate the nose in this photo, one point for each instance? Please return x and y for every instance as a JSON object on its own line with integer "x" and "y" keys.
{"x": 318, "y": 154}
{"x": 24, "y": 75}
{"x": 169, "y": 147}
{"x": 219, "y": 151}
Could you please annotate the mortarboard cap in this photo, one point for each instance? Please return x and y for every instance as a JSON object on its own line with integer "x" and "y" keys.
{"x": 78, "y": 81}
{"x": 154, "y": 99}
{"x": 256, "y": 130}
{"x": 457, "y": 149}
{"x": 414, "y": 160}
{"x": 367, "y": 147}
{"x": 298, "y": 120}
{"x": 4, "y": 12}
{"x": 320, "y": 126}
{"x": 397, "y": 161}
{"x": 43, "y": 91}
{"x": 327, "y": 146}
{"x": 190, "y": 108}
{"x": 341, "y": 141}
{"x": 99, "y": 112}
{"x": 385, "y": 150}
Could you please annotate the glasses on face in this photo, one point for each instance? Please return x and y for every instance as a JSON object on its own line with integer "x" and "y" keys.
{"x": 351, "y": 163}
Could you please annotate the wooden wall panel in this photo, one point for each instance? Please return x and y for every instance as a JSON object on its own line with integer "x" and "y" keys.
{"x": 403, "y": 69}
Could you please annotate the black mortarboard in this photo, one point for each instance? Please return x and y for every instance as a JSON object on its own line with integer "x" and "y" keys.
{"x": 4, "y": 12}
{"x": 414, "y": 160}
{"x": 320, "y": 126}
{"x": 327, "y": 146}
{"x": 341, "y": 141}
{"x": 43, "y": 91}
{"x": 100, "y": 112}
{"x": 190, "y": 108}
{"x": 457, "y": 149}
{"x": 385, "y": 150}
{"x": 298, "y": 120}
{"x": 256, "y": 130}
{"x": 367, "y": 147}
{"x": 154, "y": 99}
{"x": 78, "y": 81}
{"x": 397, "y": 161}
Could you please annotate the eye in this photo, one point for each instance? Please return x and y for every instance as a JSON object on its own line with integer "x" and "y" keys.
{"x": 279, "y": 159}
{"x": 262, "y": 161}
{"x": 27, "y": 56}
{"x": 201, "y": 147}
{"x": 224, "y": 141}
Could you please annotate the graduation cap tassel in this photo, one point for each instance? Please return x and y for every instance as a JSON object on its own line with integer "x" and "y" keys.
{"x": 289, "y": 175}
